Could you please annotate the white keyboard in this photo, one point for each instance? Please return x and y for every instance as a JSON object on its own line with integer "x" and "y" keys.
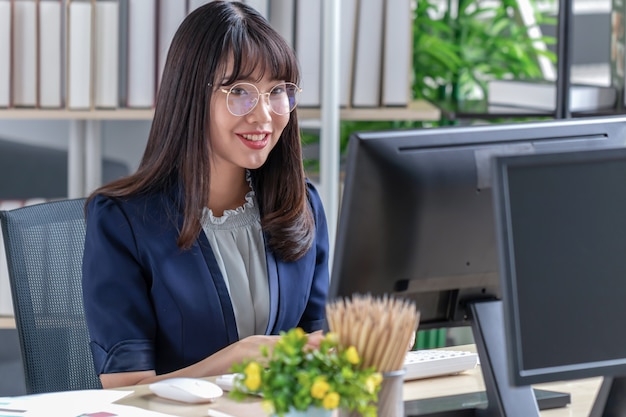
{"x": 424, "y": 363}
{"x": 427, "y": 363}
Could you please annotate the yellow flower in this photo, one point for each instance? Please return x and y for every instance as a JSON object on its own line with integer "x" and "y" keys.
{"x": 253, "y": 376}
{"x": 352, "y": 355}
{"x": 252, "y": 368}
{"x": 373, "y": 381}
{"x": 268, "y": 407}
{"x": 253, "y": 381}
{"x": 332, "y": 337}
{"x": 331, "y": 401}
{"x": 319, "y": 388}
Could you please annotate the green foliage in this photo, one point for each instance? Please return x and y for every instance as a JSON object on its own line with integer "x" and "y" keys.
{"x": 458, "y": 52}
{"x": 295, "y": 377}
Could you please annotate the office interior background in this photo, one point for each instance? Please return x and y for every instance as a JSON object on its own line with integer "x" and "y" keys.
{"x": 123, "y": 142}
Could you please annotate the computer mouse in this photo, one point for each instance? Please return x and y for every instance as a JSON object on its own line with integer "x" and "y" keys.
{"x": 187, "y": 390}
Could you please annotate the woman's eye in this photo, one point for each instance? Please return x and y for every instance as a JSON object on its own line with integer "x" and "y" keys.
{"x": 238, "y": 91}
{"x": 278, "y": 91}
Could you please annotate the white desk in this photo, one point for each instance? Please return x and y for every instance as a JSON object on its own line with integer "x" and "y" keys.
{"x": 582, "y": 392}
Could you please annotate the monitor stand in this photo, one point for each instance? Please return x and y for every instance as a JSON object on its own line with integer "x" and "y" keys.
{"x": 611, "y": 398}
{"x": 467, "y": 404}
{"x": 502, "y": 398}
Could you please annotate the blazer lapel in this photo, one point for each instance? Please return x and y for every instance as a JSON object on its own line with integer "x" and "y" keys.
{"x": 222, "y": 290}
{"x": 272, "y": 277}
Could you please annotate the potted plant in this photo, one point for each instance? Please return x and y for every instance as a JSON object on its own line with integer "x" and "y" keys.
{"x": 296, "y": 381}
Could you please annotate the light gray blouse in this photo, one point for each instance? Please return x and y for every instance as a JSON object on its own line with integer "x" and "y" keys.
{"x": 237, "y": 242}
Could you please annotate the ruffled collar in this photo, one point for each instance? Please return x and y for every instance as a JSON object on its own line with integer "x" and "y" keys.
{"x": 241, "y": 216}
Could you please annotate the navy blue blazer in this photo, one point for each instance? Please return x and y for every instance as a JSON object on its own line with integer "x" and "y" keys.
{"x": 150, "y": 305}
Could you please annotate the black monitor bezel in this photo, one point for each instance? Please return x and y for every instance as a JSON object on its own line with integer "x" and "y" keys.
{"x": 516, "y": 350}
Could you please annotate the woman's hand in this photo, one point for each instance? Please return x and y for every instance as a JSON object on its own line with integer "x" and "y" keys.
{"x": 315, "y": 339}
{"x": 217, "y": 364}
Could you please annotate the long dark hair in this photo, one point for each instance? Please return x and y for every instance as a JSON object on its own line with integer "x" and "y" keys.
{"x": 178, "y": 148}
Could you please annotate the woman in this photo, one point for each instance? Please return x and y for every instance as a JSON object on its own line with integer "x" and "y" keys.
{"x": 218, "y": 241}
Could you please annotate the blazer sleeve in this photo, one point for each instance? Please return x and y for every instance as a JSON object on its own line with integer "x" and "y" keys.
{"x": 314, "y": 315}
{"x": 119, "y": 314}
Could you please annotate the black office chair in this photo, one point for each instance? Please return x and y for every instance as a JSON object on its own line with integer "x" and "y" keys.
{"x": 44, "y": 247}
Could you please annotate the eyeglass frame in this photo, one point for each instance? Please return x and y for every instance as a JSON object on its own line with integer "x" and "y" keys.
{"x": 228, "y": 91}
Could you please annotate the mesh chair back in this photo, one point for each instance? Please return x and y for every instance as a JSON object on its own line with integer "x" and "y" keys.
{"x": 44, "y": 247}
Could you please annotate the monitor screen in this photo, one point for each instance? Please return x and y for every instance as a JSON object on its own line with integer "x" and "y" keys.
{"x": 416, "y": 217}
{"x": 562, "y": 232}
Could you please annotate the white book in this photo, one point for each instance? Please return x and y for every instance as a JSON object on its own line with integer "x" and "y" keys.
{"x": 397, "y": 53}
{"x": 308, "y": 48}
{"x": 171, "y": 15}
{"x": 6, "y": 302}
{"x": 539, "y": 95}
{"x": 5, "y": 53}
{"x": 282, "y": 18}
{"x": 50, "y": 54}
{"x": 194, "y": 4}
{"x": 261, "y": 6}
{"x": 368, "y": 58}
{"x": 106, "y": 87}
{"x": 24, "y": 53}
{"x": 79, "y": 73}
{"x": 347, "y": 44}
{"x": 141, "y": 53}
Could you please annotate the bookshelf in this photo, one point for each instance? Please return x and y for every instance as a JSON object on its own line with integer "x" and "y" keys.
{"x": 65, "y": 114}
{"x": 415, "y": 110}
{"x": 84, "y": 146}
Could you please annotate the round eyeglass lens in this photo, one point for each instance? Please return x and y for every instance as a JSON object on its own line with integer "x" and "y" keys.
{"x": 284, "y": 98}
{"x": 243, "y": 97}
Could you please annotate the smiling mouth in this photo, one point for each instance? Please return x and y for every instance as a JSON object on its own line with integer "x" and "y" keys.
{"x": 254, "y": 138}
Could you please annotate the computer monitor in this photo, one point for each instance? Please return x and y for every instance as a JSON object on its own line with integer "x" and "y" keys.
{"x": 561, "y": 227}
{"x": 417, "y": 221}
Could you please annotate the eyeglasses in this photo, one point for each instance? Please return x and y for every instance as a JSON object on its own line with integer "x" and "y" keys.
{"x": 242, "y": 98}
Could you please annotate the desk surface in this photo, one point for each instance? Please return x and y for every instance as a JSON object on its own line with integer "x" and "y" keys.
{"x": 583, "y": 393}
{"x": 7, "y": 322}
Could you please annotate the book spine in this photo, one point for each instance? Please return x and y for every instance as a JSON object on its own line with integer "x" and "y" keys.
{"x": 282, "y": 18}
{"x": 194, "y": 4}
{"x": 261, "y": 6}
{"x": 5, "y": 53}
{"x": 171, "y": 14}
{"x": 50, "y": 54}
{"x": 106, "y": 31}
{"x": 79, "y": 66}
{"x": 25, "y": 53}
{"x": 347, "y": 45}
{"x": 309, "y": 49}
{"x": 142, "y": 69}
{"x": 397, "y": 53}
{"x": 368, "y": 67}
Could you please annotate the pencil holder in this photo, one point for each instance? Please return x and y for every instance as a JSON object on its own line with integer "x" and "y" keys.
{"x": 390, "y": 402}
